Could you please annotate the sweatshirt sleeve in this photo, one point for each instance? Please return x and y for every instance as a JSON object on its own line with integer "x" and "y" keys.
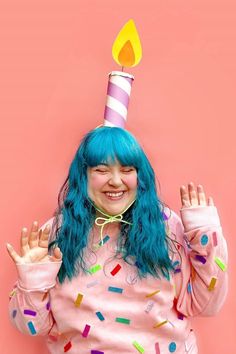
{"x": 201, "y": 280}
{"x": 29, "y": 306}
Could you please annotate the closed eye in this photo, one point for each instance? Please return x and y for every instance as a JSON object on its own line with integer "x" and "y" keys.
{"x": 127, "y": 170}
{"x": 101, "y": 170}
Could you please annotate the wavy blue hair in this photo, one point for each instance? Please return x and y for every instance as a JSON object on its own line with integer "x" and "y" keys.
{"x": 145, "y": 241}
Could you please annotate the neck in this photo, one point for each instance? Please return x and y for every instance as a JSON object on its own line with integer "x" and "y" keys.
{"x": 105, "y": 220}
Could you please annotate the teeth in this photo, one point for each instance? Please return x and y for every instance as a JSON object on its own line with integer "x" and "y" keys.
{"x": 114, "y": 194}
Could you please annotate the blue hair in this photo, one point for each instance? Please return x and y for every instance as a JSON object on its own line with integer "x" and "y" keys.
{"x": 145, "y": 241}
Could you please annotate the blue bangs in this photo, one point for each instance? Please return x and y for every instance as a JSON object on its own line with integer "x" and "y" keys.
{"x": 106, "y": 145}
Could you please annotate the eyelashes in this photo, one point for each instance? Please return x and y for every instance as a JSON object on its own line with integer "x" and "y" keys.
{"x": 123, "y": 170}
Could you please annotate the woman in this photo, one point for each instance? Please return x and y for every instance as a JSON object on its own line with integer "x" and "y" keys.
{"x": 124, "y": 272}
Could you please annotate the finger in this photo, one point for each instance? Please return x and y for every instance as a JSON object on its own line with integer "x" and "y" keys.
{"x": 44, "y": 236}
{"x": 13, "y": 254}
{"x": 201, "y": 195}
{"x": 210, "y": 201}
{"x": 57, "y": 255}
{"x": 184, "y": 197}
{"x": 34, "y": 234}
{"x": 24, "y": 241}
{"x": 192, "y": 194}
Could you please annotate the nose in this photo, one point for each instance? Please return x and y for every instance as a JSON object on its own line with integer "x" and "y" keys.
{"x": 115, "y": 179}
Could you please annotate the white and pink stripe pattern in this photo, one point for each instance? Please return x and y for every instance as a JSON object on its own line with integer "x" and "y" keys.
{"x": 118, "y": 93}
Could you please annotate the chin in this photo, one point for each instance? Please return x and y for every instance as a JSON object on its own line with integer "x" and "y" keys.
{"x": 114, "y": 211}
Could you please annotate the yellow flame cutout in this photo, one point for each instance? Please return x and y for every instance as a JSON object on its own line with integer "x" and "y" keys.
{"x": 127, "y": 49}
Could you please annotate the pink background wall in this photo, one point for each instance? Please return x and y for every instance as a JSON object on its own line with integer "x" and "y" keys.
{"x": 55, "y": 57}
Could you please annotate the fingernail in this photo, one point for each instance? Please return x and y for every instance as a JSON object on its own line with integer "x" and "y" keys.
{"x": 8, "y": 245}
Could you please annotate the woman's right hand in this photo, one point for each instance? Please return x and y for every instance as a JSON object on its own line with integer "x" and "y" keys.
{"x": 34, "y": 247}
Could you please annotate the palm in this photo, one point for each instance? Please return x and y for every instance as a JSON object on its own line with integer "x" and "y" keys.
{"x": 36, "y": 254}
{"x": 193, "y": 197}
{"x": 34, "y": 247}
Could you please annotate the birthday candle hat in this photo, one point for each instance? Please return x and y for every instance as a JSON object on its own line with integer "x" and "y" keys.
{"x": 127, "y": 52}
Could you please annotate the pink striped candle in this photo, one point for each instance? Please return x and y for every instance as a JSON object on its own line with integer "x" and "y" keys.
{"x": 118, "y": 93}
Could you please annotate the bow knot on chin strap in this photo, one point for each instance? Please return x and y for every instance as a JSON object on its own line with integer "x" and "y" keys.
{"x": 102, "y": 221}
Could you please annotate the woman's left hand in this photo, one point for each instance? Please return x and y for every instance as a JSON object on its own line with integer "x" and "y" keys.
{"x": 192, "y": 197}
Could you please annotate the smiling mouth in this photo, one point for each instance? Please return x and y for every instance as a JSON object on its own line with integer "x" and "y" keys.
{"x": 114, "y": 195}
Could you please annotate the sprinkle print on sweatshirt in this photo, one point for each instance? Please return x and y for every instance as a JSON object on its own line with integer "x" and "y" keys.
{"x": 110, "y": 310}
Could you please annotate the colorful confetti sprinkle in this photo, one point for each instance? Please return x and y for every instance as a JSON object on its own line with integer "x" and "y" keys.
{"x": 212, "y": 284}
{"x": 12, "y": 293}
{"x": 160, "y": 324}
{"x": 14, "y": 312}
{"x": 92, "y": 283}
{"x": 79, "y": 299}
{"x": 193, "y": 273}
{"x": 214, "y": 236}
{"x": 176, "y": 263}
{"x": 168, "y": 230}
{"x": 122, "y": 320}
{"x": 102, "y": 242}
{"x": 116, "y": 269}
{"x": 100, "y": 316}
{"x": 189, "y": 288}
{"x": 96, "y": 352}
{"x": 165, "y": 217}
{"x": 31, "y": 328}
{"x": 157, "y": 348}
{"x": 152, "y": 294}
{"x": 204, "y": 240}
{"x": 95, "y": 268}
{"x": 177, "y": 270}
{"x": 171, "y": 323}
{"x": 138, "y": 347}
{"x": 96, "y": 246}
{"x": 48, "y": 306}
{"x": 220, "y": 264}
{"x": 115, "y": 290}
{"x": 131, "y": 279}
{"x": 30, "y": 313}
{"x": 180, "y": 316}
{"x": 200, "y": 258}
{"x": 149, "y": 307}
{"x": 67, "y": 347}
{"x": 86, "y": 331}
{"x": 172, "y": 347}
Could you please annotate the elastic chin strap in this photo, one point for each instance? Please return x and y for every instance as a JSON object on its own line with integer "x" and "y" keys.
{"x": 100, "y": 221}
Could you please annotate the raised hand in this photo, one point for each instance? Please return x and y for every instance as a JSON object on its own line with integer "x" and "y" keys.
{"x": 34, "y": 246}
{"x": 191, "y": 197}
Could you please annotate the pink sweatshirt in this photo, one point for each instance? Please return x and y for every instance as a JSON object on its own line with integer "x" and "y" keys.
{"x": 111, "y": 311}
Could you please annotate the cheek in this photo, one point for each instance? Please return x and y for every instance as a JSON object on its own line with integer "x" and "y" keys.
{"x": 96, "y": 182}
{"x": 131, "y": 182}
